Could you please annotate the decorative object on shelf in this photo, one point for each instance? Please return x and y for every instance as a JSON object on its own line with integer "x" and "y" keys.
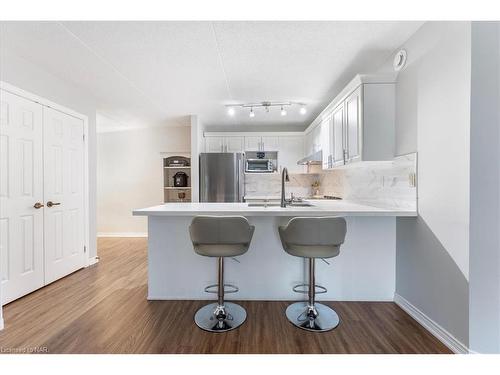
{"x": 180, "y": 179}
{"x": 181, "y": 195}
{"x": 177, "y": 161}
{"x": 400, "y": 60}
{"x": 231, "y": 108}
{"x": 315, "y": 186}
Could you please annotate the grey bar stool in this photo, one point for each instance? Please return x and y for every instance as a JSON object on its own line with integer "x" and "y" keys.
{"x": 311, "y": 238}
{"x": 220, "y": 237}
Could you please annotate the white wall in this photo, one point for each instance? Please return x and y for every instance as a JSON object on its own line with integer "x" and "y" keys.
{"x": 433, "y": 118}
{"x": 197, "y": 147}
{"x": 485, "y": 189}
{"x": 130, "y": 174}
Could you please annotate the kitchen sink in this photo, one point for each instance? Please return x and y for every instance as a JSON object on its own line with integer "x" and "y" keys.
{"x": 277, "y": 204}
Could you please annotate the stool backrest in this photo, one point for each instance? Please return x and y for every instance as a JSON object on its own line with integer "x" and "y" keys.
{"x": 314, "y": 231}
{"x": 220, "y": 230}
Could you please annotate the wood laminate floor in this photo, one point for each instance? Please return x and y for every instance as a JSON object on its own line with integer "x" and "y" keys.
{"x": 103, "y": 309}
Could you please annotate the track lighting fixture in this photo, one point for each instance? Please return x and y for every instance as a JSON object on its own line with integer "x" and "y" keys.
{"x": 231, "y": 111}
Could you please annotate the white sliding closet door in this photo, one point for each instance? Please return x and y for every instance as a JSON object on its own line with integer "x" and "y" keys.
{"x": 21, "y": 187}
{"x": 64, "y": 194}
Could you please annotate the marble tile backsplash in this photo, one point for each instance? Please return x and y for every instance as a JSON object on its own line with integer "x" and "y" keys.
{"x": 387, "y": 184}
{"x": 269, "y": 184}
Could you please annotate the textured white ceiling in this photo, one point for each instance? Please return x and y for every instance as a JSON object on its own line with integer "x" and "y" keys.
{"x": 152, "y": 73}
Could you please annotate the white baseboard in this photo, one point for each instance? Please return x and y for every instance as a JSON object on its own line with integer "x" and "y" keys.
{"x": 93, "y": 260}
{"x": 439, "y": 332}
{"x": 122, "y": 234}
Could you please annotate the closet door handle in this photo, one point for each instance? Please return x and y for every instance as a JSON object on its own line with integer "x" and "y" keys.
{"x": 50, "y": 204}
{"x": 38, "y": 205}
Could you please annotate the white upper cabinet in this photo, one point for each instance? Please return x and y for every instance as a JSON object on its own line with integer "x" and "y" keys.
{"x": 271, "y": 143}
{"x": 326, "y": 137}
{"x": 359, "y": 125}
{"x": 316, "y": 139}
{"x": 253, "y": 143}
{"x": 259, "y": 143}
{"x": 337, "y": 137}
{"x": 214, "y": 144}
{"x": 291, "y": 150}
{"x": 234, "y": 144}
{"x": 352, "y": 124}
{"x": 308, "y": 144}
{"x": 224, "y": 144}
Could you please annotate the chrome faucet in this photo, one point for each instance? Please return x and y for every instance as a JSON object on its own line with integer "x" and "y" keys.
{"x": 284, "y": 178}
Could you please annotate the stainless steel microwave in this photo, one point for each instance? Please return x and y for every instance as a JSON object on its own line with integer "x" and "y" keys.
{"x": 260, "y": 162}
{"x": 259, "y": 166}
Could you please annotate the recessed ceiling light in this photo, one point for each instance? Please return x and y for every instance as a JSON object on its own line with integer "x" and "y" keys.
{"x": 283, "y": 112}
{"x": 231, "y": 111}
{"x": 303, "y": 110}
{"x": 252, "y": 113}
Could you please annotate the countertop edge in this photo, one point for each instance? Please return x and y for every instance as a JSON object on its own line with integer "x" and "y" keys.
{"x": 387, "y": 213}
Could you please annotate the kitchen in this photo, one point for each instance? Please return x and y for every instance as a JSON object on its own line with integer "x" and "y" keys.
{"x": 322, "y": 176}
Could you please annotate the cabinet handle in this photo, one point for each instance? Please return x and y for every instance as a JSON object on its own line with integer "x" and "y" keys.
{"x": 346, "y": 155}
{"x": 50, "y": 204}
{"x": 38, "y": 205}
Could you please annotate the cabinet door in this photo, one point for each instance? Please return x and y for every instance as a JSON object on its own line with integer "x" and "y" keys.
{"x": 353, "y": 126}
{"x": 270, "y": 143}
{"x": 253, "y": 143}
{"x": 316, "y": 139}
{"x": 234, "y": 144}
{"x": 326, "y": 144}
{"x": 214, "y": 144}
{"x": 290, "y": 151}
{"x": 338, "y": 136}
{"x": 308, "y": 144}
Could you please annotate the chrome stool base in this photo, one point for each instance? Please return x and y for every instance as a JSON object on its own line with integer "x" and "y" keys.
{"x": 326, "y": 318}
{"x": 206, "y": 319}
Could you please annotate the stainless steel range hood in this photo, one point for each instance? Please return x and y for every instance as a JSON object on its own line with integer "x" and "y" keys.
{"x": 313, "y": 159}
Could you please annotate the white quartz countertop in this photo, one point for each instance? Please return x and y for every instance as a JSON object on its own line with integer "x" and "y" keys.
{"x": 319, "y": 207}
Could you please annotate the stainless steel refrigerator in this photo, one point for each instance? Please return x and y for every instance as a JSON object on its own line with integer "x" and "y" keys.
{"x": 221, "y": 177}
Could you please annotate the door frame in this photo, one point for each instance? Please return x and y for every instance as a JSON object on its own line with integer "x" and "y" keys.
{"x": 86, "y": 188}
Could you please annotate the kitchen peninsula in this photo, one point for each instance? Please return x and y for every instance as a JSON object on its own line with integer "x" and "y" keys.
{"x": 365, "y": 269}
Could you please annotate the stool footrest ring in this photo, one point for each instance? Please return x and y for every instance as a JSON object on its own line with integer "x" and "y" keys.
{"x": 213, "y": 288}
{"x": 304, "y": 289}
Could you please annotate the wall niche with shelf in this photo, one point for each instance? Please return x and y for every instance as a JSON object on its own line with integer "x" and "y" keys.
{"x": 176, "y": 179}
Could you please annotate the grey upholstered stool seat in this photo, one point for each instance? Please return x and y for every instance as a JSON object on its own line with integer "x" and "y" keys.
{"x": 220, "y": 237}
{"x": 311, "y": 238}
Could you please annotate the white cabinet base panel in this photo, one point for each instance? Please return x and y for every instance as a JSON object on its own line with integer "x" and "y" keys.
{"x": 364, "y": 270}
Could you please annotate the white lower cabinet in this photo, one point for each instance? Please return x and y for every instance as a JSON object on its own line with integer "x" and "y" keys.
{"x": 41, "y": 195}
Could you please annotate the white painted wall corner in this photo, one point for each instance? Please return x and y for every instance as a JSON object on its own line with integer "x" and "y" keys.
{"x": 439, "y": 332}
